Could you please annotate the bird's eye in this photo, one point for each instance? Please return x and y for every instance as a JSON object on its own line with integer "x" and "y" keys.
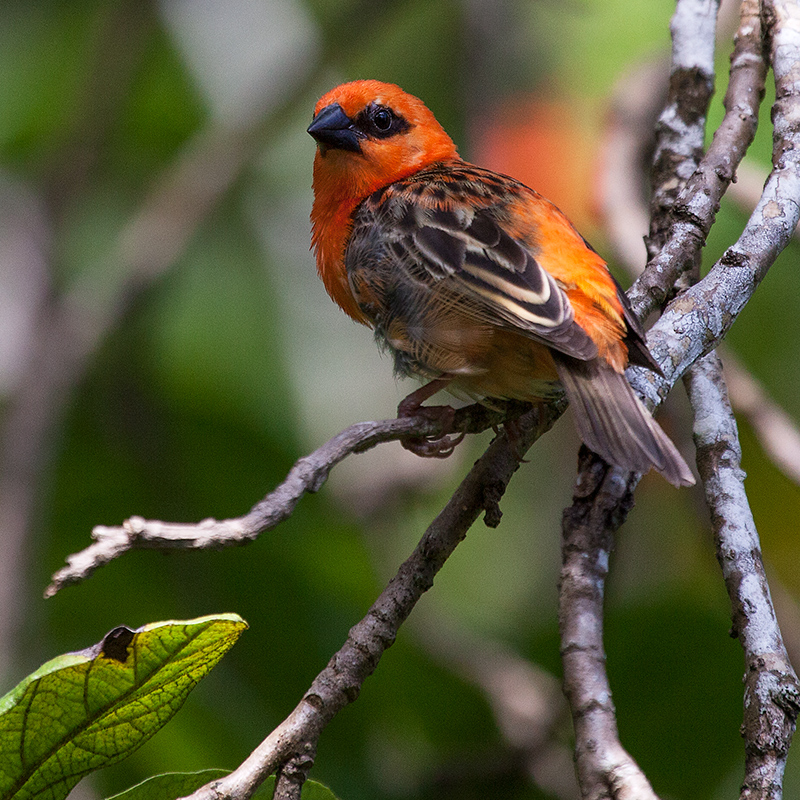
{"x": 380, "y": 122}
{"x": 382, "y": 119}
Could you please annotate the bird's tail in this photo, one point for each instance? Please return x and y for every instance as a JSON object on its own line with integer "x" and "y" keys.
{"x": 614, "y": 423}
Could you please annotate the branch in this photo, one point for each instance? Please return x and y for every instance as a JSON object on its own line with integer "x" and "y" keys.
{"x": 603, "y": 494}
{"x": 697, "y": 203}
{"x": 772, "y": 692}
{"x": 340, "y": 682}
{"x": 602, "y": 500}
{"x": 680, "y": 129}
{"x": 693, "y": 324}
{"x": 307, "y": 475}
{"x": 292, "y": 775}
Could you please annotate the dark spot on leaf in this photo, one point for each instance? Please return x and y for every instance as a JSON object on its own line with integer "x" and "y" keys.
{"x": 115, "y": 644}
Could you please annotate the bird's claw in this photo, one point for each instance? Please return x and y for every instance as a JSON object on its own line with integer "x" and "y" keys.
{"x": 432, "y": 446}
{"x": 440, "y": 446}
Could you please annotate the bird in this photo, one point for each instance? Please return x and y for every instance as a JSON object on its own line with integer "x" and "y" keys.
{"x": 472, "y": 280}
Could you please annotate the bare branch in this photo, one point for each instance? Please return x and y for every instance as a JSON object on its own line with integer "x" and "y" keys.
{"x": 771, "y": 699}
{"x": 697, "y": 203}
{"x": 696, "y": 321}
{"x": 703, "y": 314}
{"x": 601, "y": 503}
{"x": 293, "y": 774}
{"x": 772, "y": 692}
{"x": 681, "y": 127}
{"x": 307, "y": 475}
{"x": 603, "y": 494}
{"x": 340, "y": 682}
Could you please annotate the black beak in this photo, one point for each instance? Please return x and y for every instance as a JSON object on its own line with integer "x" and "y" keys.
{"x": 332, "y": 128}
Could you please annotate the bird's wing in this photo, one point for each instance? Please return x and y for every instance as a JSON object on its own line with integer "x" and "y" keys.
{"x": 469, "y": 248}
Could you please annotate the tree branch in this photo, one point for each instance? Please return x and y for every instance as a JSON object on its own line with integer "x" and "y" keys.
{"x": 603, "y": 494}
{"x": 292, "y": 774}
{"x": 705, "y": 313}
{"x": 602, "y": 500}
{"x": 307, "y": 475}
{"x": 621, "y": 198}
{"x": 692, "y": 325}
{"x": 698, "y": 201}
{"x": 680, "y": 129}
{"x": 772, "y": 692}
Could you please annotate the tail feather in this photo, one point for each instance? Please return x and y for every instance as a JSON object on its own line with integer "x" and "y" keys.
{"x": 614, "y": 423}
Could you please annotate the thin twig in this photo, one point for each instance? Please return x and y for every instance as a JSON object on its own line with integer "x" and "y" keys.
{"x": 680, "y": 129}
{"x": 772, "y": 692}
{"x": 307, "y": 475}
{"x": 292, "y": 774}
{"x": 601, "y": 503}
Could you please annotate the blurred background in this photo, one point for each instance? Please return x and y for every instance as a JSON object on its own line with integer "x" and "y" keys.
{"x": 167, "y": 350}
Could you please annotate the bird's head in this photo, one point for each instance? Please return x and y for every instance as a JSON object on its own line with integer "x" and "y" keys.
{"x": 370, "y": 134}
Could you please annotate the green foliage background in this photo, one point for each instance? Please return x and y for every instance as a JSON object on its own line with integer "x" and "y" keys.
{"x": 234, "y": 363}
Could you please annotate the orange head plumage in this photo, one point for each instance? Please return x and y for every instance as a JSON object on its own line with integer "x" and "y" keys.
{"x": 369, "y": 134}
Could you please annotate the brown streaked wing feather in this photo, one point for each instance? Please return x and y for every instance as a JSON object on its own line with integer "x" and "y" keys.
{"x": 472, "y": 249}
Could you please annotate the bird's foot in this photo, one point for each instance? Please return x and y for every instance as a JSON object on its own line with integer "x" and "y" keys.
{"x": 440, "y": 446}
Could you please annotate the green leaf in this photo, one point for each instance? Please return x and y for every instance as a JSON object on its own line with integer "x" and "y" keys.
{"x": 316, "y": 791}
{"x": 170, "y": 785}
{"x": 180, "y": 784}
{"x": 82, "y": 711}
